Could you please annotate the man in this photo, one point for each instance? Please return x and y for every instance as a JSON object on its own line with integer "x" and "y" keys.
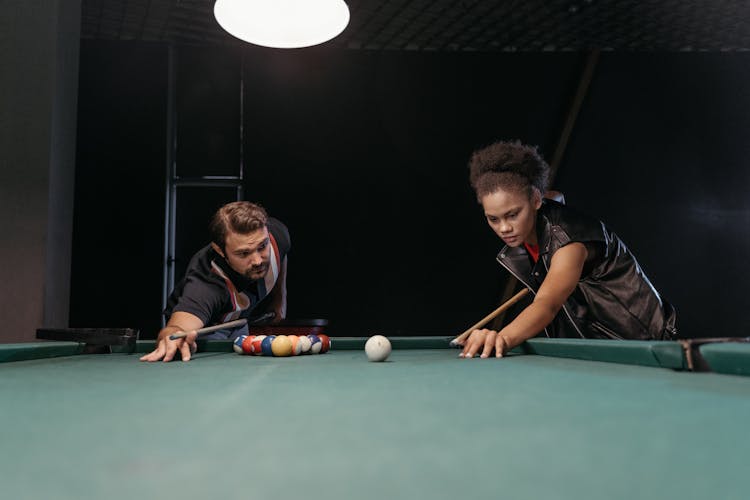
{"x": 241, "y": 273}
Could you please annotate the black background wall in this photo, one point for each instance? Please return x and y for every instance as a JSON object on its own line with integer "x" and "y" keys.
{"x": 660, "y": 152}
{"x": 118, "y": 232}
{"x": 363, "y": 155}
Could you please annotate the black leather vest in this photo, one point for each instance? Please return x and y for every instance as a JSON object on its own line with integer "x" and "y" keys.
{"x": 613, "y": 299}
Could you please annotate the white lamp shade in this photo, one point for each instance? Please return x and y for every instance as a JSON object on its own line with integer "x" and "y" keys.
{"x": 284, "y": 24}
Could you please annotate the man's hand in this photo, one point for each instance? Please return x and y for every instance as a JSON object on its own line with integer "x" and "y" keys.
{"x": 278, "y": 294}
{"x": 279, "y": 313}
{"x": 484, "y": 342}
{"x": 166, "y": 349}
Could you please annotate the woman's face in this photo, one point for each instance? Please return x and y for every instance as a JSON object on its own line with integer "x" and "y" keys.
{"x": 512, "y": 215}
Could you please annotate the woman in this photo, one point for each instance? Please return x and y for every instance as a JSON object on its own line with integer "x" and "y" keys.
{"x": 585, "y": 282}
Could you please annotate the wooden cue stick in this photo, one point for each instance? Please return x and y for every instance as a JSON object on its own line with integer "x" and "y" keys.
{"x": 491, "y": 315}
{"x": 209, "y": 329}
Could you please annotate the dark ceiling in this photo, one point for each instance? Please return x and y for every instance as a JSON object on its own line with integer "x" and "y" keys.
{"x": 461, "y": 25}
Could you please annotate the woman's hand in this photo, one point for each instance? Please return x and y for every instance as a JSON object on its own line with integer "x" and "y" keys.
{"x": 485, "y": 342}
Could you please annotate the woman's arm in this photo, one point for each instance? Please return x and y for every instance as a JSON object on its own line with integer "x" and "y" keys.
{"x": 564, "y": 273}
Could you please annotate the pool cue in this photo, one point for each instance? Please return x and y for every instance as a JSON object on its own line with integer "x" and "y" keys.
{"x": 209, "y": 329}
{"x": 490, "y": 316}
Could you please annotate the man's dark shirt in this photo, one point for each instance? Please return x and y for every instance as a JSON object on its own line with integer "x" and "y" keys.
{"x": 216, "y": 293}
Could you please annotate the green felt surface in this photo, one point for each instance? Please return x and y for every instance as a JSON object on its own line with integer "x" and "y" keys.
{"x": 732, "y": 358}
{"x": 425, "y": 424}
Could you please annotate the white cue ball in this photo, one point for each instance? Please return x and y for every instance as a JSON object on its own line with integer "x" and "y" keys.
{"x": 377, "y": 348}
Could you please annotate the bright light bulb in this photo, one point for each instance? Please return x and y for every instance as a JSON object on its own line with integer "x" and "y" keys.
{"x": 284, "y": 24}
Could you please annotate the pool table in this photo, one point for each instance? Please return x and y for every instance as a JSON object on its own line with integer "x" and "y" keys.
{"x": 627, "y": 421}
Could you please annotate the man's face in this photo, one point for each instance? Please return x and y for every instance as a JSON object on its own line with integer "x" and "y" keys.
{"x": 248, "y": 254}
{"x": 512, "y": 215}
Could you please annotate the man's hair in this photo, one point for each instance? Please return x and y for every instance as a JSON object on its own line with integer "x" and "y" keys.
{"x": 507, "y": 165}
{"x": 240, "y": 217}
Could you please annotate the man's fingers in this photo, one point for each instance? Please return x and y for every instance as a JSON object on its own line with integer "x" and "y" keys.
{"x": 171, "y": 349}
{"x": 147, "y": 357}
{"x": 185, "y": 351}
{"x": 191, "y": 336}
{"x": 154, "y": 355}
{"x": 166, "y": 349}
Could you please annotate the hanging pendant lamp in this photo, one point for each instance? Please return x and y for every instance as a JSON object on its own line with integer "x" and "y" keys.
{"x": 284, "y": 24}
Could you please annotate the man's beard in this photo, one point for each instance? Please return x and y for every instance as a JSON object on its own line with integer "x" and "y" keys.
{"x": 256, "y": 273}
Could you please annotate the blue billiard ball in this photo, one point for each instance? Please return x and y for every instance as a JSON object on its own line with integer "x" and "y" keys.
{"x": 265, "y": 346}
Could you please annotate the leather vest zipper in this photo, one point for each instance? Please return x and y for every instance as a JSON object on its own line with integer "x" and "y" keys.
{"x": 522, "y": 282}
